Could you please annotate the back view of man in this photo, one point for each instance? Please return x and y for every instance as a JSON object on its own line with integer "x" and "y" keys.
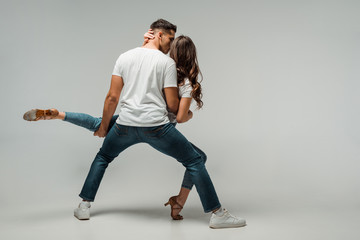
{"x": 145, "y": 72}
{"x": 146, "y": 79}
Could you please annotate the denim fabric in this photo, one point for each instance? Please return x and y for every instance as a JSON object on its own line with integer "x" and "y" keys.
{"x": 187, "y": 182}
{"x": 92, "y": 123}
{"x": 164, "y": 138}
{"x": 86, "y": 121}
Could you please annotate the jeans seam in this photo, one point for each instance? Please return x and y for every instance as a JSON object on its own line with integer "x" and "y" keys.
{"x": 85, "y": 198}
{"x": 186, "y": 186}
{"x": 212, "y": 209}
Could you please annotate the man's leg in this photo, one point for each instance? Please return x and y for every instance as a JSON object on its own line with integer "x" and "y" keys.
{"x": 117, "y": 140}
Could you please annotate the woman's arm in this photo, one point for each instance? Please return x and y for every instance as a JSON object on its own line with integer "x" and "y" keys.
{"x": 148, "y": 35}
{"x": 184, "y": 114}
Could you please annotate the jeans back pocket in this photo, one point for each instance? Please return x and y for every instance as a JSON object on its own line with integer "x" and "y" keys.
{"x": 155, "y": 132}
{"x": 121, "y": 130}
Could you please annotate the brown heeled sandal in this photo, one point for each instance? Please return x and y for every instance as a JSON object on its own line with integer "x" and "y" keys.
{"x": 38, "y": 114}
{"x": 172, "y": 201}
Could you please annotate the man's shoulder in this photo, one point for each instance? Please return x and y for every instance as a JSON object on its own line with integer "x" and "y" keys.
{"x": 160, "y": 56}
{"x": 130, "y": 51}
{"x": 134, "y": 53}
{"x": 166, "y": 59}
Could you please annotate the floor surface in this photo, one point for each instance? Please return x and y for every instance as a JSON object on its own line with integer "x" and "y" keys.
{"x": 150, "y": 220}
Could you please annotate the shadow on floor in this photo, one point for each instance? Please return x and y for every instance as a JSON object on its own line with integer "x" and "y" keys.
{"x": 41, "y": 215}
{"x": 151, "y": 213}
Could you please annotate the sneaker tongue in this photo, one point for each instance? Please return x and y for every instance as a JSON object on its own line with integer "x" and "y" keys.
{"x": 85, "y": 204}
{"x": 220, "y": 212}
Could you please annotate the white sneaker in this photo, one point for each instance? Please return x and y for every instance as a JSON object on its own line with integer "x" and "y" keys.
{"x": 226, "y": 221}
{"x": 83, "y": 211}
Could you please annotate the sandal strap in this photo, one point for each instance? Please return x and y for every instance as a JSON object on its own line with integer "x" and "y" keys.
{"x": 176, "y": 202}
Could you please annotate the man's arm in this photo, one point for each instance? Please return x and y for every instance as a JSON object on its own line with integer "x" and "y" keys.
{"x": 172, "y": 99}
{"x": 111, "y": 102}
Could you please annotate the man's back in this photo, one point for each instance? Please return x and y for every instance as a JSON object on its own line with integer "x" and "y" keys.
{"x": 145, "y": 72}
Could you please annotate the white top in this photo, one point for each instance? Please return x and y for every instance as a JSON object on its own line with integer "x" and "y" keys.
{"x": 184, "y": 92}
{"x": 185, "y": 89}
{"x": 145, "y": 72}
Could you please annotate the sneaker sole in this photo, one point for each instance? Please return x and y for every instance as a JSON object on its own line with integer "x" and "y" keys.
{"x": 227, "y": 226}
{"x": 82, "y": 217}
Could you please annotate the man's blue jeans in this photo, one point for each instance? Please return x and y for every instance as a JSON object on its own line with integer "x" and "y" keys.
{"x": 164, "y": 138}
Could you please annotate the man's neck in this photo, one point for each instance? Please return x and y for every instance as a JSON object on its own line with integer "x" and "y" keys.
{"x": 152, "y": 45}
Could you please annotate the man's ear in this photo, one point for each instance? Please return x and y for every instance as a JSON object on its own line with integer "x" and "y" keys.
{"x": 160, "y": 34}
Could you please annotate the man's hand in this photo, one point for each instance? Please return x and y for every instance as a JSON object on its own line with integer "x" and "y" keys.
{"x": 111, "y": 101}
{"x": 100, "y": 133}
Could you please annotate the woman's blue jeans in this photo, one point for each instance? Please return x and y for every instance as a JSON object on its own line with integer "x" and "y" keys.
{"x": 164, "y": 138}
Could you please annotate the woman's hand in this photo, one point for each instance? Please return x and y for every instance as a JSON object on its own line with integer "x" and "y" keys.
{"x": 190, "y": 114}
{"x": 148, "y": 35}
{"x": 184, "y": 114}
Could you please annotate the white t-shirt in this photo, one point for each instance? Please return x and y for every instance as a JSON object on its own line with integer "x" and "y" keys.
{"x": 145, "y": 72}
{"x": 184, "y": 92}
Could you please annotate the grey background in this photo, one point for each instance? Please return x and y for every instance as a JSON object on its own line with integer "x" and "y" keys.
{"x": 280, "y": 124}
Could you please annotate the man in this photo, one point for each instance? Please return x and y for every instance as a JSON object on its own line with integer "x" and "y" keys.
{"x": 147, "y": 80}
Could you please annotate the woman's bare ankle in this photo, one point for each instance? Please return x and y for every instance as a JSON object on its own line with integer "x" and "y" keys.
{"x": 61, "y": 116}
{"x": 183, "y": 195}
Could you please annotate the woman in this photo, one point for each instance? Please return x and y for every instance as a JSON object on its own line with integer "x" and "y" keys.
{"x": 183, "y": 51}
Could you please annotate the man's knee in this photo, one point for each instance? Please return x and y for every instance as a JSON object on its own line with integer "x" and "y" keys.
{"x": 103, "y": 156}
{"x": 194, "y": 164}
{"x": 203, "y": 157}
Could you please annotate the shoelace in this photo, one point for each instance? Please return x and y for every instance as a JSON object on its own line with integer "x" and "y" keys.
{"x": 230, "y": 216}
{"x": 83, "y": 206}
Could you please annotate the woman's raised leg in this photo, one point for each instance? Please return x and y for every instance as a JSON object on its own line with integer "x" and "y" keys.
{"x": 87, "y": 121}
{"x": 80, "y": 119}
{"x": 179, "y": 201}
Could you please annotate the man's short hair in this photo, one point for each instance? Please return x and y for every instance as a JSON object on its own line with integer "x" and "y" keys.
{"x": 163, "y": 25}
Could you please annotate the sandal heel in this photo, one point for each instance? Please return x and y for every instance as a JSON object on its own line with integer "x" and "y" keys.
{"x": 172, "y": 201}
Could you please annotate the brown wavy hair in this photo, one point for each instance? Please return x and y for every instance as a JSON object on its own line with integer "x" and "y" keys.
{"x": 183, "y": 51}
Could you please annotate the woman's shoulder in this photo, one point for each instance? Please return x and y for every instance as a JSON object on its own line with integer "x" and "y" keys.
{"x": 185, "y": 82}
{"x": 185, "y": 88}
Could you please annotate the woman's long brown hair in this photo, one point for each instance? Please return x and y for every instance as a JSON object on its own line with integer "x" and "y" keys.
{"x": 183, "y": 51}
